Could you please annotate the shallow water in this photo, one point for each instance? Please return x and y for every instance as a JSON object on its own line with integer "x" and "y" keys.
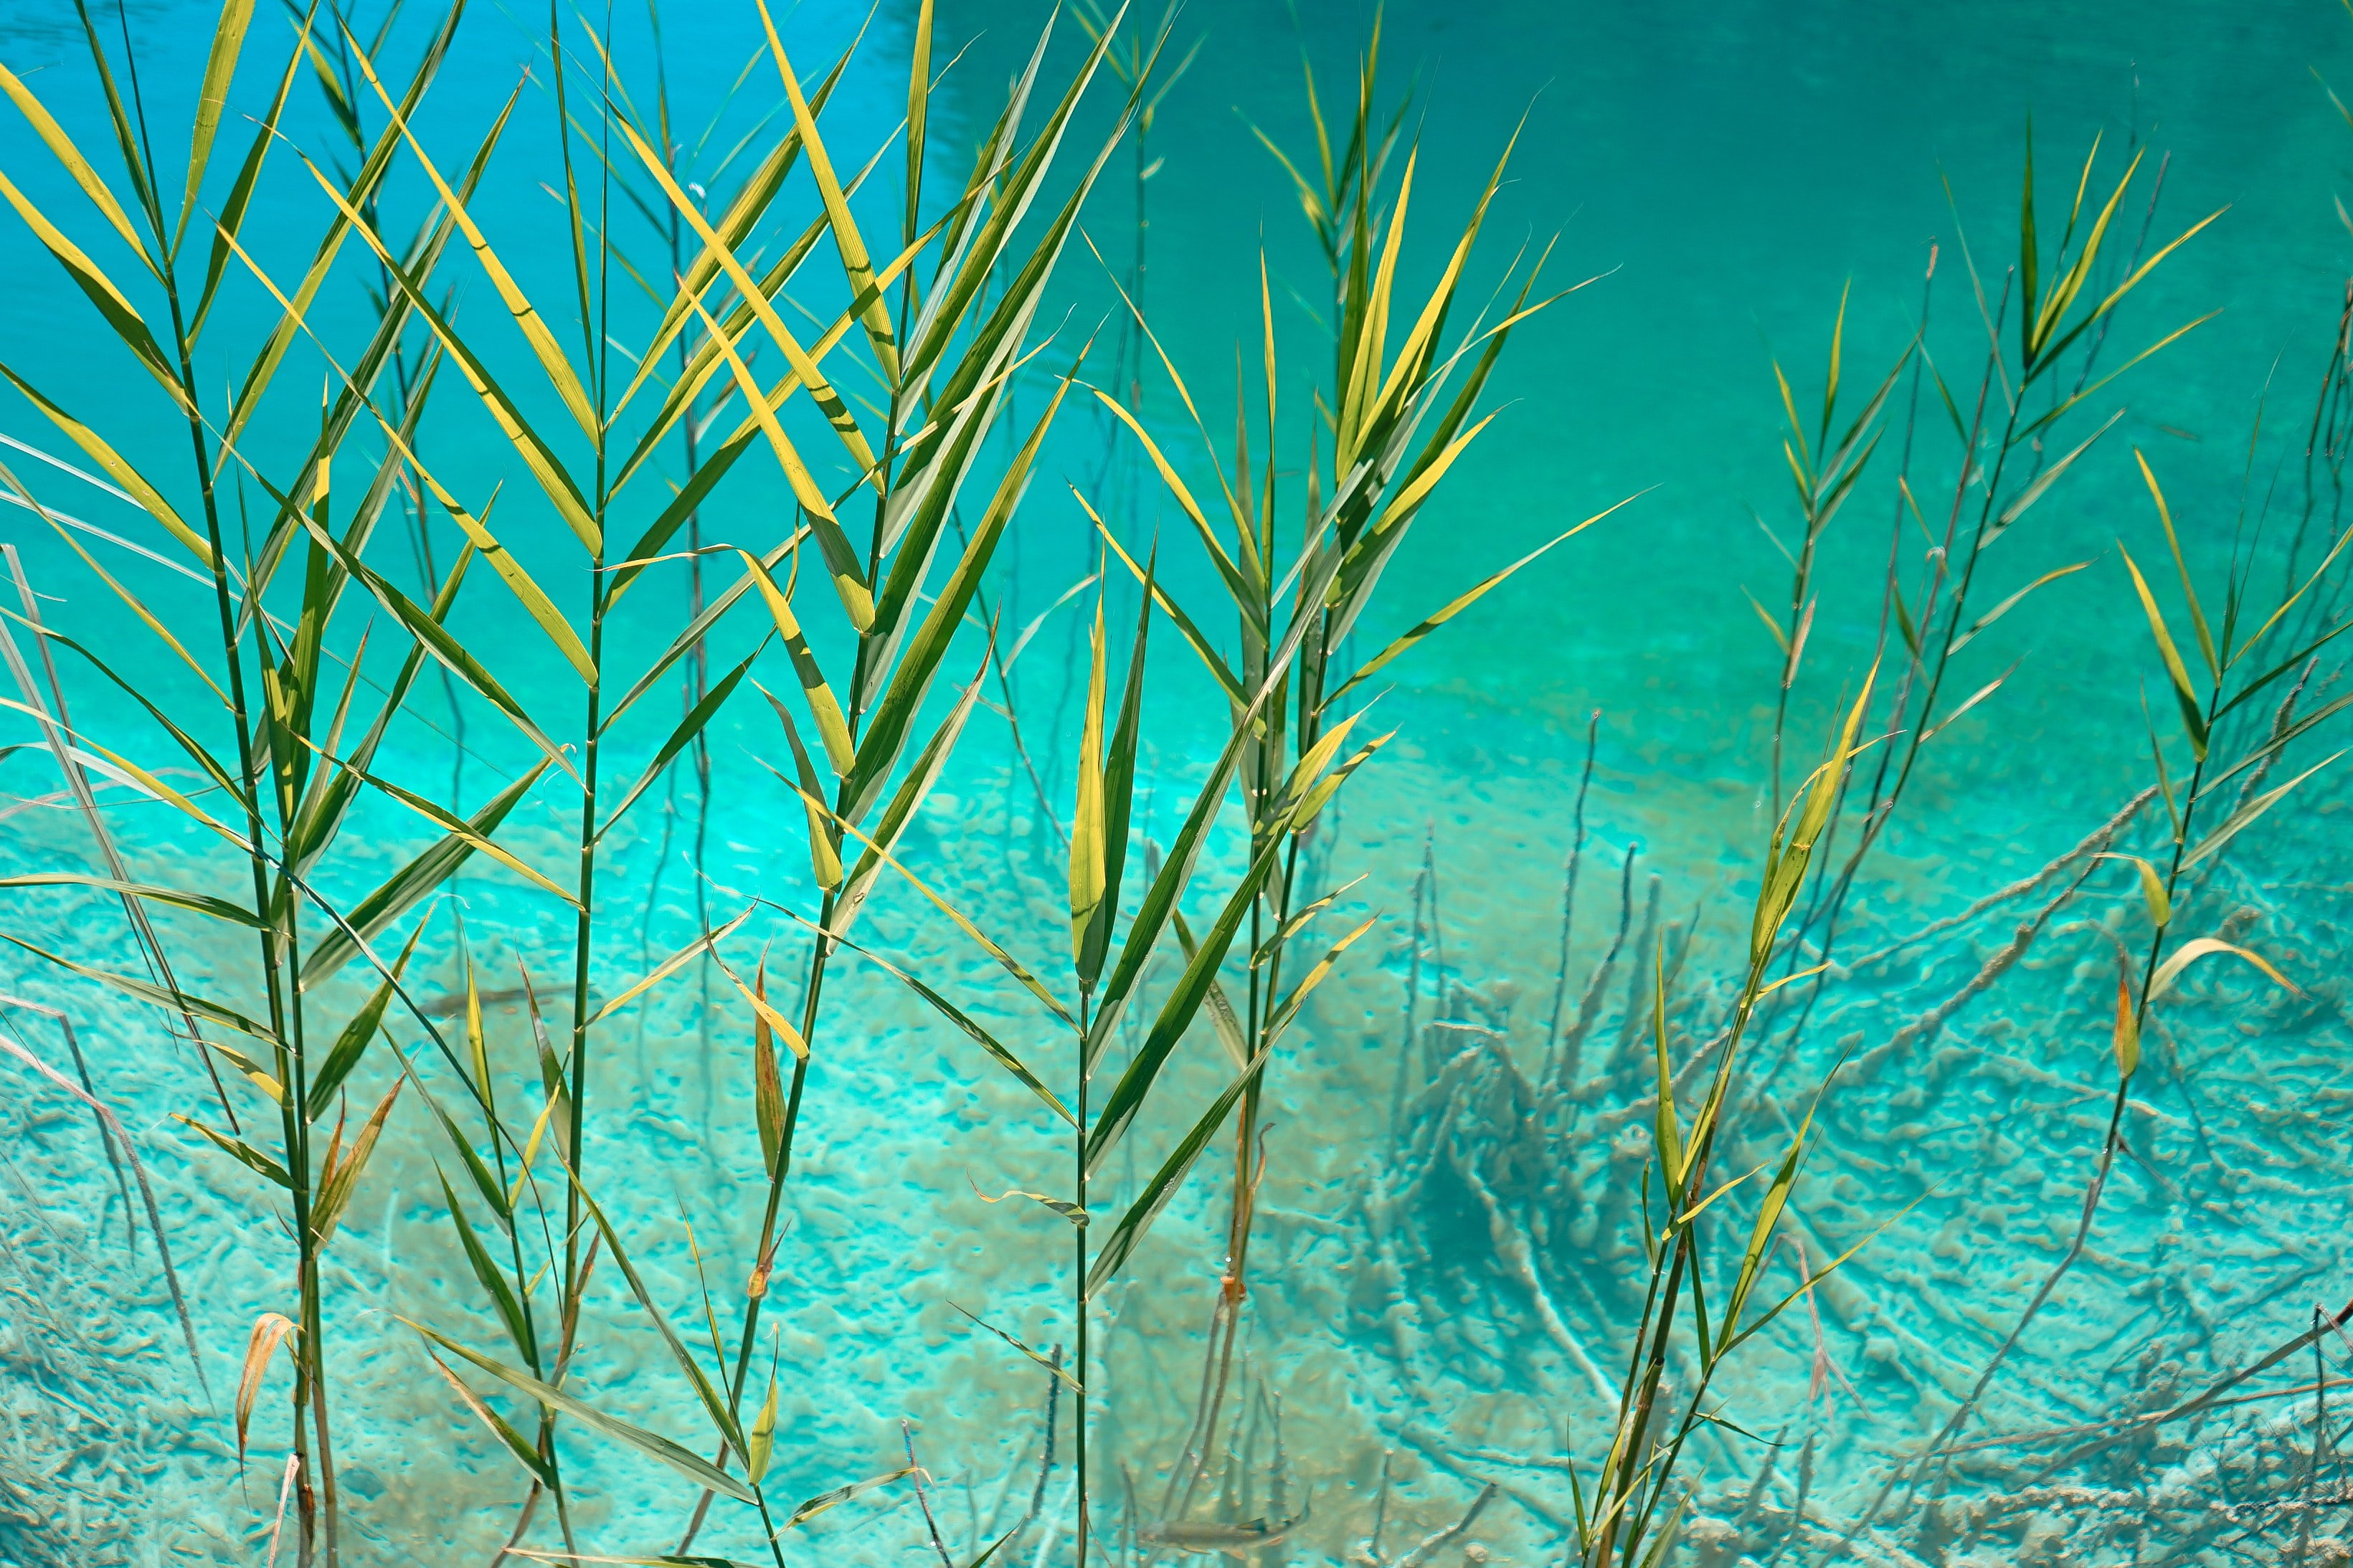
{"x": 1722, "y": 173}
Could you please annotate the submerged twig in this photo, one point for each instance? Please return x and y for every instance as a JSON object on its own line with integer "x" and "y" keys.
{"x": 1439, "y": 1540}
{"x": 922, "y": 1497}
{"x": 1568, "y": 893}
{"x": 146, "y": 1194}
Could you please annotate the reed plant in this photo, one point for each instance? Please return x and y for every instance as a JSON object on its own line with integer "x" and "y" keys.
{"x": 947, "y": 326}
{"x": 1389, "y": 424}
{"x": 1686, "y": 1103}
{"x": 944, "y": 318}
{"x": 2065, "y": 308}
{"x": 281, "y": 747}
{"x": 782, "y": 304}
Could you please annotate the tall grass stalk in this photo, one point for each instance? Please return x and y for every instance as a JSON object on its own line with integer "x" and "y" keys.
{"x": 1632, "y": 1511}
{"x": 2045, "y": 320}
{"x": 2192, "y": 840}
{"x": 1394, "y": 418}
{"x": 947, "y": 362}
{"x": 268, "y": 672}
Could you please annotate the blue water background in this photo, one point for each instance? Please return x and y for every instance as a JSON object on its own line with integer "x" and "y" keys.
{"x": 1722, "y": 173}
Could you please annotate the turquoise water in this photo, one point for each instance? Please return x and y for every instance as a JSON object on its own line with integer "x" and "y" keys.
{"x": 1723, "y": 174}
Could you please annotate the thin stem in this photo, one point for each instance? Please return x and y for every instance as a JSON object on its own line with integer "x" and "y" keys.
{"x": 2108, "y": 1146}
{"x": 1079, "y": 1289}
{"x": 275, "y": 945}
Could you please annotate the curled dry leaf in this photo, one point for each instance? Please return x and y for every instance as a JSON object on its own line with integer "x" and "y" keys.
{"x": 268, "y": 1329}
{"x": 2189, "y": 952}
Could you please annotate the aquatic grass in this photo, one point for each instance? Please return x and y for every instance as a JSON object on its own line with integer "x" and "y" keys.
{"x": 2161, "y": 884}
{"x": 286, "y": 808}
{"x": 2002, "y": 471}
{"x": 312, "y": 773}
{"x": 946, "y": 363}
{"x": 1483, "y": 1141}
{"x": 1604, "y": 1178}
{"x": 2191, "y": 838}
{"x": 1398, "y": 416}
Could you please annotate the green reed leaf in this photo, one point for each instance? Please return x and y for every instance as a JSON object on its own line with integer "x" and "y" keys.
{"x": 2115, "y": 297}
{"x": 212, "y": 97}
{"x": 1227, "y": 680}
{"x": 2277, "y": 742}
{"x": 698, "y": 719}
{"x": 1288, "y": 1009}
{"x": 832, "y": 727}
{"x": 1224, "y": 1021}
{"x": 127, "y": 141}
{"x": 363, "y": 188}
{"x": 2030, "y": 256}
{"x": 1087, "y": 812}
{"x": 857, "y": 267}
{"x": 694, "y": 632}
{"x": 1990, "y": 617}
{"x": 750, "y": 204}
{"x": 2193, "y": 717}
{"x": 196, "y": 903}
{"x": 2289, "y": 603}
{"x": 2048, "y": 477}
{"x": 551, "y": 360}
{"x": 1118, "y": 790}
{"x": 340, "y": 1177}
{"x": 840, "y": 557}
{"x": 714, "y": 1403}
{"x": 352, "y": 1042}
{"x": 919, "y": 98}
{"x": 824, "y": 843}
{"x": 920, "y": 777}
{"x": 61, "y": 146}
{"x": 2292, "y": 662}
{"x": 244, "y": 1154}
{"x": 1128, "y": 1095}
{"x": 963, "y": 1021}
{"x": 2245, "y": 816}
{"x": 116, "y": 467}
{"x": 757, "y": 298}
{"x": 515, "y": 1442}
{"x": 2189, "y": 588}
{"x": 1465, "y": 601}
{"x": 653, "y": 1445}
{"x": 129, "y": 326}
{"x": 1005, "y": 959}
{"x": 763, "y": 1443}
{"x": 528, "y": 593}
{"x": 435, "y": 638}
{"x": 809, "y": 1507}
{"x": 231, "y": 216}
{"x": 400, "y": 893}
{"x": 1129, "y": 1233}
{"x": 887, "y": 734}
{"x": 2152, "y": 889}
{"x": 708, "y": 942}
{"x": 171, "y": 997}
{"x": 555, "y": 480}
{"x": 1004, "y": 190}
{"x": 1159, "y": 902}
